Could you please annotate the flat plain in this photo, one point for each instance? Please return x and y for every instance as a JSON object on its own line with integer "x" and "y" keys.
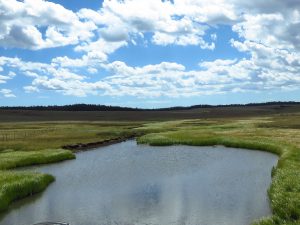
{"x": 38, "y": 137}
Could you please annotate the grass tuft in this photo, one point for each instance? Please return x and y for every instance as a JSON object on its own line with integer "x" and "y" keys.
{"x": 14, "y": 159}
{"x": 17, "y": 185}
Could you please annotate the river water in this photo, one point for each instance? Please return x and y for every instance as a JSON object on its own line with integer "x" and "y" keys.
{"x": 128, "y": 184}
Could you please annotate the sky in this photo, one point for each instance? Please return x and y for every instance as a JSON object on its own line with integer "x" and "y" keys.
{"x": 149, "y": 53}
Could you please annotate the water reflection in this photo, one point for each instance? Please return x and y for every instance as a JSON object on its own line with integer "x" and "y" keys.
{"x": 129, "y": 184}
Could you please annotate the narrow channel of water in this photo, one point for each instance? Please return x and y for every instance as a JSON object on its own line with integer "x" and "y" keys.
{"x": 128, "y": 184}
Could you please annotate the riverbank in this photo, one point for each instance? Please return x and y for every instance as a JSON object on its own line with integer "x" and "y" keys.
{"x": 88, "y": 146}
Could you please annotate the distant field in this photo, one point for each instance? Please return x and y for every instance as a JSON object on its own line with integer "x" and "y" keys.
{"x": 217, "y": 112}
{"x": 27, "y": 136}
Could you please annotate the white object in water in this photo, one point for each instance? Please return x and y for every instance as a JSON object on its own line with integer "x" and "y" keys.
{"x": 52, "y": 223}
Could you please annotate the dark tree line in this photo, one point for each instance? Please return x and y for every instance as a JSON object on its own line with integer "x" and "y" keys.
{"x": 94, "y": 107}
{"x": 282, "y": 104}
{"x": 74, "y": 107}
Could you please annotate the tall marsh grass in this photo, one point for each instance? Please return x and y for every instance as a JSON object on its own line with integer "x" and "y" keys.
{"x": 17, "y": 185}
{"x": 14, "y": 159}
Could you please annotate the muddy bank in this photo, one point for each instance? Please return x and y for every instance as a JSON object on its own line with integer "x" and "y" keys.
{"x": 80, "y": 147}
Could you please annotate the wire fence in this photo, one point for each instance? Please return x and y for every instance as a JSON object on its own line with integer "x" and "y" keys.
{"x": 9, "y": 135}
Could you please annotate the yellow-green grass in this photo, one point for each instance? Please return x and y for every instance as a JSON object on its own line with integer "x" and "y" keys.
{"x": 39, "y": 136}
{"x": 284, "y": 191}
{"x": 17, "y": 185}
{"x": 14, "y": 159}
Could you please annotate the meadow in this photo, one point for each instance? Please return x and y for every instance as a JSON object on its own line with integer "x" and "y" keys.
{"x": 28, "y": 143}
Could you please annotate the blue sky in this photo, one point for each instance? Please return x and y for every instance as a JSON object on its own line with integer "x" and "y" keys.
{"x": 149, "y": 54}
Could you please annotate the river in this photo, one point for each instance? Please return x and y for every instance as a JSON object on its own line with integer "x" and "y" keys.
{"x": 130, "y": 184}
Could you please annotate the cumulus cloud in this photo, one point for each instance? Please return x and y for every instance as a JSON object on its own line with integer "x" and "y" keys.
{"x": 267, "y": 30}
{"x": 21, "y": 23}
{"x": 184, "y": 22}
{"x": 272, "y": 22}
{"x": 167, "y": 78}
{"x": 7, "y": 93}
{"x": 5, "y": 78}
{"x": 53, "y": 77}
{"x": 170, "y": 23}
{"x": 99, "y": 50}
{"x": 30, "y": 89}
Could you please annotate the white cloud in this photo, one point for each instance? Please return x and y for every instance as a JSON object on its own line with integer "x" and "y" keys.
{"x": 11, "y": 74}
{"x": 184, "y": 40}
{"x": 99, "y": 49}
{"x": 170, "y": 23}
{"x": 20, "y": 24}
{"x": 214, "y": 36}
{"x": 92, "y": 70}
{"x": 30, "y": 89}
{"x": 184, "y": 22}
{"x": 5, "y": 78}
{"x": 268, "y": 32}
{"x": 7, "y": 93}
{"x": 170, "y": 79}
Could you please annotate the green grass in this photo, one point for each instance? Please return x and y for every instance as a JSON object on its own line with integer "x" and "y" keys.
{"x": 17, "y": 185}
{"x": 284, "y": 191}
{"x": 14, "y": 159}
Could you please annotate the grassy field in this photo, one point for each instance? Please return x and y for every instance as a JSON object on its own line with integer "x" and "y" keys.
{"x": 38, "y": 136}
{"x": 24, "y": 144}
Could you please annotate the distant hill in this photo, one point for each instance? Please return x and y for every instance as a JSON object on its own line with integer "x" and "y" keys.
{"x": 94, "y": 107}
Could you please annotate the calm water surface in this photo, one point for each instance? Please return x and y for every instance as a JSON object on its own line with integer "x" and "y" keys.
{"x": 128, "y": 184}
